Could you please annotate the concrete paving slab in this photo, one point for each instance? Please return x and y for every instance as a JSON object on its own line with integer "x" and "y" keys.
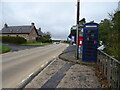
{"x": 77, "y": 76}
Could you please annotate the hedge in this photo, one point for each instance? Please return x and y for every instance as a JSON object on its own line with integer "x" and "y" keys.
{"x": 13, "y": 40}
{"x": 43, "y": 40}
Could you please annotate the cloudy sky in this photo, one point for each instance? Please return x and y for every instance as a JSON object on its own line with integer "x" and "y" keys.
{"x": 54, "y": 16}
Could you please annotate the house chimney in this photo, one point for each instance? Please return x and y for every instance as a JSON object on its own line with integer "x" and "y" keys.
{"x": 32, "y": 24}
{"x": 5, "y": 25}
{"x": 39, "y": 29}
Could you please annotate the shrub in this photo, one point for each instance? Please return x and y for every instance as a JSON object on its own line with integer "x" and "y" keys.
{"x": 43, "y": 40}
{"x": 13, "y": 40}
{"x": 40, "y": 39}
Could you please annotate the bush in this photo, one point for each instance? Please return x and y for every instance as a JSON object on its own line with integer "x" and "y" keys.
{"x": 40, "y": 39}
{"x": 43, "y": 40}
{"x": 13, "y": 40}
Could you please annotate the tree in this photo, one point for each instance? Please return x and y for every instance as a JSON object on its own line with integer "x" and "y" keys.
{"x": 109, "y": 33}
{"x": 45, "y": 39}
{"x": 115, "y": 37}
{"x": 104, "y": 30}
{"x": 47, "y": 35}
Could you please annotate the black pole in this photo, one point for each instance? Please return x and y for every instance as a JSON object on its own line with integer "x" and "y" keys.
{"x": 78, "y": 6}
{"x": 77, "y": 32}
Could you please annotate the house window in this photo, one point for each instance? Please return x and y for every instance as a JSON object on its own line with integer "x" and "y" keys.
{"x": 33, "y": 38}
{"x": 11, "y": 30}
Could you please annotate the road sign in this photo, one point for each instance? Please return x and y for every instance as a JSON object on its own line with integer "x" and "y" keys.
{"x": 73, "y": 39}
{"x": 73, "y": 28}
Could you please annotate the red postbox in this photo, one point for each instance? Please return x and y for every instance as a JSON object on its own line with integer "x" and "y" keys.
{"x": 80, "y": 41}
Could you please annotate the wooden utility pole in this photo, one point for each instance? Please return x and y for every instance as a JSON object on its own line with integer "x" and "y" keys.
{"x": 77, "y": 32}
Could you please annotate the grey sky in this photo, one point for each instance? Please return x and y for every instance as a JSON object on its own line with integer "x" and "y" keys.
{"x": 55, "y": 17}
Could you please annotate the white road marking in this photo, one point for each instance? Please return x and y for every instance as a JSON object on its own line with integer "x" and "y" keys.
{"x": 40, "y": 72}
{"x": 46, "y": 62}
{"x": 23, "y": 80}
{"x": 47, "y": 66}
{"x": 27, "y": 77}
{"x": 54, "y": 57}
{"x": 43, "y": 65}
{"x": 33, "y": 72}
{"x": 30, "y": 74}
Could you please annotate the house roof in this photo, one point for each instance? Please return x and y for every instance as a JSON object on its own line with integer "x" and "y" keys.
{"x": 20, "y": 30}
{"x": 40, "y": 33}
{"x": 16, "y": 29}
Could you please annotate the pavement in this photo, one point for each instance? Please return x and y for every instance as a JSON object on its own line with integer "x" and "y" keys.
{"x": 65, "y": 72}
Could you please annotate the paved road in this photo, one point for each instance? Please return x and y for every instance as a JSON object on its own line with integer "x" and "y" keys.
{"x": 17, "y": 66}
{"x": 17, "y": 47}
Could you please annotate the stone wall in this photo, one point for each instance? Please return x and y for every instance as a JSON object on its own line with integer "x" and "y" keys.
{"x": 32, "y": 36}
{"x": 26, "y": 36}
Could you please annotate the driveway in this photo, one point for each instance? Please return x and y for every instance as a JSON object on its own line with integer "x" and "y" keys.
{"x": 17, "y": 47}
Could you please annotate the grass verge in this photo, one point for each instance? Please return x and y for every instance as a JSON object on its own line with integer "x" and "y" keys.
{"x": 4, "y": 49}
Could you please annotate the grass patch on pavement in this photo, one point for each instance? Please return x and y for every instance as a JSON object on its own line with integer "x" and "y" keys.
{"x": 4, "y": 49}
{"x": 28, "y": 43}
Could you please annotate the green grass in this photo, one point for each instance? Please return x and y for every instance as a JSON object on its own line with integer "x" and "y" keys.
{"x": 4, "y": 49}
{"x": 36, "y": 43}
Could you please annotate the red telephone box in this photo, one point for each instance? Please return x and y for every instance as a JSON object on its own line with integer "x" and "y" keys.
{"x": 80, "y": 40}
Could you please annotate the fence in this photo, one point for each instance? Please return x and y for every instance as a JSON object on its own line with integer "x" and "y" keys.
{"x": 111, "y": 68}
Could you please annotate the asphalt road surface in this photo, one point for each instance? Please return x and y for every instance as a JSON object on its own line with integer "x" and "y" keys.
{"x": 17, "y": 66}
{"x": 18, "y": 47}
